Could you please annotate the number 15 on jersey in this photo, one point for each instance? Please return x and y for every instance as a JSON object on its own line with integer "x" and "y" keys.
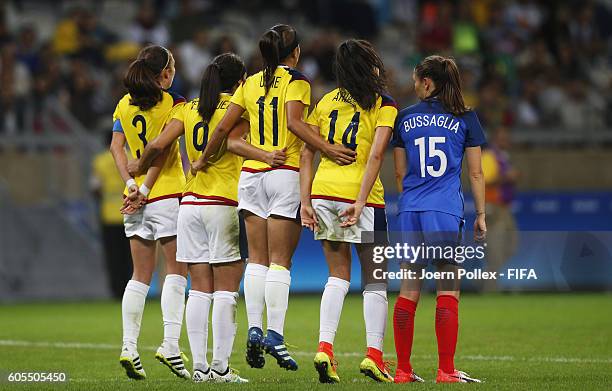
{"x": 431, "y": 151}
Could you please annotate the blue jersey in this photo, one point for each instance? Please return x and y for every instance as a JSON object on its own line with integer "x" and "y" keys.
{"x": 434, "y": 141}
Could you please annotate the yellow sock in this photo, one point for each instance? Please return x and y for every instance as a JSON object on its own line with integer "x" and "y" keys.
{"x": 275, "y": 266}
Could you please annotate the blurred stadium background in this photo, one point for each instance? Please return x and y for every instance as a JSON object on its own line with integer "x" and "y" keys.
{"x": 538, "y": 73}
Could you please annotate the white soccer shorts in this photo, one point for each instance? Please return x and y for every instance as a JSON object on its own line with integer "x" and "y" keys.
{"x": 208, "y": 234}
{"x": 153, "y": 221}
{"x": 328, "y": 214}
{"x": 275, "y": 192}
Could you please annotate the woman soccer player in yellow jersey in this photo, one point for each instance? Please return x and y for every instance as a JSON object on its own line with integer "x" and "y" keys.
{"x": 345, "y": 204}
{"x": 209, "y": 233}
{"x": 139, "y": 117}
{"x": 276, "y": 100}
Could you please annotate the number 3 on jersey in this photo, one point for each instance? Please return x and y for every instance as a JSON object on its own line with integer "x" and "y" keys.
{"x": 431, "y": 153}
{"x": 143, "y": 133}
{"x": 262, "y": 105}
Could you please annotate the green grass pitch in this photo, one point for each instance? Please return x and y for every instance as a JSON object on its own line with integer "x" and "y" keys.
{"x": 532, "y": 342}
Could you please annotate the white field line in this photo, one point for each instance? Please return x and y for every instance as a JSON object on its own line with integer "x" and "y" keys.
{"x": 108, "y": 346}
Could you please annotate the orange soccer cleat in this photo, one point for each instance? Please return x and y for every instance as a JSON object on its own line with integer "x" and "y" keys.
{"x": 407, "y": 377}
{"x": 455, "y": 377}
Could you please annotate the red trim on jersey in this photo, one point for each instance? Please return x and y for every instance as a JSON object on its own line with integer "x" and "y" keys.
{"x": 213, "y": 200}
{"x": 387, "y": 101}
{"x": 164, "y": 197}
{"x": 339, "y": 199}
{"x": 254, "y": 170}
{"x": 176, "y": 98}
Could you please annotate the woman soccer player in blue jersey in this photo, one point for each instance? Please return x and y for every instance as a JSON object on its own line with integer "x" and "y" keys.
{"x": 276, "y": 100}
{"x": 430, "y": 140}
{"x": 345, "y": 205}
{"x": 152, "y": 213}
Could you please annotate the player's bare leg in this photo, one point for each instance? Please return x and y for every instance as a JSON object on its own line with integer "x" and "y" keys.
{"x": 227, "y": 278}
{"x": 375, "y": 309}
{"x": 283, "y": 236}
{"x": 255, "y": 285}
{"x": 403, "y": 322}
{"x": 196, "y": 318}
{"x": 132, "y": 305}
{"x": 173, "y": 308}
{"x": 338, "y": 257}
{"x": 447, "y": 327}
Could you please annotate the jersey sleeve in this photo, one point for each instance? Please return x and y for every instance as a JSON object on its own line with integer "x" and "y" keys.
{"x": 396, "y": 139}
{"x": 178, "y": 113}
{"x": 474, "y": 136}
{"x": 117, "y": 121}
{"x": 387, "y": 113}
{"x": 178, "y": 102}
{"x": 313, "y": 117}
{"x": 298, "y": 88}
{"x": 238, "y": 97}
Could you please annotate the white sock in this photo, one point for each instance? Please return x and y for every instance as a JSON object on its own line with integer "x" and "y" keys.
{"x": 277, "y": 297}
{"x": 375, "y": 307}
{"x": 132, "y": 307}
{"x": 331, "y": 308}
{"x": 173, "y": 307}
{"x": 224, "y": 328}
{"x": 254, "y": 293}
{"x": 196, "y": 317}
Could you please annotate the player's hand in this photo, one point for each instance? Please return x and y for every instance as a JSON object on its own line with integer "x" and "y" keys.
{"x": 132, "y": 192}
{"x": 276, "y": 158}
{"x": 133, "y": 167}
{"x": 480, "y": 228}
{"x": 340, "y": 154}
{"x": 132, "y": 205}
{"x": 198, "y": 165}
{"x": 309, "y": 218}
{"x": 352, "y": 214}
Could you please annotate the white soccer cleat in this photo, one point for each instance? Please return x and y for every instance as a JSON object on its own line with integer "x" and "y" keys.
{"x": 130, "y": 361}
{"x": 200, "y": 376}
{"x": 174, "y": 362}
{"x": 230, "y": 376}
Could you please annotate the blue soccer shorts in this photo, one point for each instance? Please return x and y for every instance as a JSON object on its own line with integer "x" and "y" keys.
{"x": 434, "y": 231}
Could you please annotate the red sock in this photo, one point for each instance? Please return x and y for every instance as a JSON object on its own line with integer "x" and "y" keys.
{"x": 403, "y": 330}
{"x": 375, "y": 355}
{"x": 447, "y": 326}
{"x": 326, "y": 348}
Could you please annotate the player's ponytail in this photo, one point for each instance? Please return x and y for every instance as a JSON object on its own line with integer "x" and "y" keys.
{"x": 450, "y": 94}
{"x": 221, "y": 75}
{"x": 360, "y": 73}
{"x": 276, "y": 45}
{"x": 443, "y": 71}
{"x": 142, "y": 77}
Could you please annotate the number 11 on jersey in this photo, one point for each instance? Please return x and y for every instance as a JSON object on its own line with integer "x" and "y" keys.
{"x": 262, "y": 105}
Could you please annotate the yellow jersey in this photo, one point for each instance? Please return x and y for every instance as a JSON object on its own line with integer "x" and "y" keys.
{"x": 111, "y": 186}
{"x": 267, "y": 115}
{"x": 139, "y": 127}
{"x": 344, "y": 121}
{"x": 218, "y": 185}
